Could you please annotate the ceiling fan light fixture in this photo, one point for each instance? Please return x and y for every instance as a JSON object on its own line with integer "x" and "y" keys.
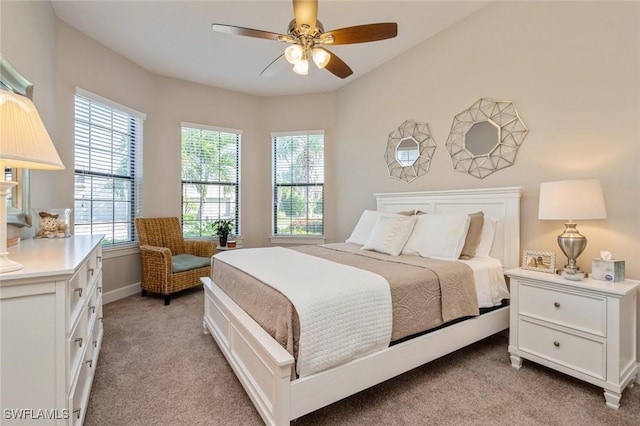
{"x": 301, "y": 67}
{"x": 293, "y": 53}
{"x": 321, "y": 57}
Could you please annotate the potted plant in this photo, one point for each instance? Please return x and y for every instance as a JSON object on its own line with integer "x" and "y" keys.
{"x": 222, "y": 228}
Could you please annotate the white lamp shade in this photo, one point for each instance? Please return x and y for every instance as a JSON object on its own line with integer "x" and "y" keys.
{"x": 301, "y": 67}
{"x": 24, "y": 141}
{"x": 321, "y": 57}
{"x": 293, "y": 53}
{"x": 571, "y": 200}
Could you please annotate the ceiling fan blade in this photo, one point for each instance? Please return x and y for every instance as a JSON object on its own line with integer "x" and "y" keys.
{"x": 361, "y": 33}
{"x": 249, "y": 32}
{"x": 305, "y": 12}
{"x": 337, "y": 66}
{"x": 274, "y": 67}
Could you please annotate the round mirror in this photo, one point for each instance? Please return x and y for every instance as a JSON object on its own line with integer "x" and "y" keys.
{"x": 407, "y": 151}
{"x": 482, "y": 138}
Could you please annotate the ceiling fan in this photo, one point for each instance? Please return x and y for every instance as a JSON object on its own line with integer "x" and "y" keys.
{"x": 307, "y": 38}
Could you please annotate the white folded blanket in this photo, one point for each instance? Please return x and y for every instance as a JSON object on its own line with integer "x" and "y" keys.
{"x": 344, "y": 312}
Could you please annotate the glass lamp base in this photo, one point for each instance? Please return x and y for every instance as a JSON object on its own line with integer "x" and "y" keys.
{"x": 572, "y": 275}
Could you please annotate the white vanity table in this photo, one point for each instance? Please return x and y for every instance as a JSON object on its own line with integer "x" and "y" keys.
{"x": 51, "y": 329}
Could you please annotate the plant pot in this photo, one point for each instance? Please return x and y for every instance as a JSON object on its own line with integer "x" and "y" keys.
{"x": 223, "y": 240}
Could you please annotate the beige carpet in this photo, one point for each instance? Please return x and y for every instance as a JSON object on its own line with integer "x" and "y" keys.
{"x": 157, "y": 367}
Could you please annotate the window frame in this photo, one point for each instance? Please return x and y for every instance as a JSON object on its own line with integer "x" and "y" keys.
{"x": 136, "y": 167}
{"x": 237, "y": 229}
{"x": 295, "y": 238}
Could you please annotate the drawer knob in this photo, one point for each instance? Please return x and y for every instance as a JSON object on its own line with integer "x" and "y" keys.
{"x": 92, "y": 308}
{"x": 556, "y": 304}
{"x": 90, "y": 362}
{"x": 556, "y": 344}
{"x": 77, "y": 413}
{"x": 78, "y": 341}
{"x": 99, "y": 289}
{"x": 79, "y": 290}
{"x": 91, "y": 271}
{"x": 95, "y": 343}
{"x": 99, "y": 258}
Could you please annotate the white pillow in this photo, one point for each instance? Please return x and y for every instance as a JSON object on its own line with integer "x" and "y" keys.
{"x": 365, "y": 225}
{"x": 390, "y": 234}
{"x": 438, "y": 235}
{"x": 486, "y": 237}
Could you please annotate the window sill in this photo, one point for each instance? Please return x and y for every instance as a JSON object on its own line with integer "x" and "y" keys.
{"x": 292, "y": 239}
{"x": 119, "y": 251}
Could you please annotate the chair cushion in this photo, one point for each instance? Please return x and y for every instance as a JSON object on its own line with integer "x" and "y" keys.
{"x": 187, "y": 262}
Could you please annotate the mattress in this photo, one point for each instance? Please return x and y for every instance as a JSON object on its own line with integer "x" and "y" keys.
{"x": 420, "y": 288}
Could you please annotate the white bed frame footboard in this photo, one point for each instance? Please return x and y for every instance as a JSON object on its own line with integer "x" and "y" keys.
{"x": 264, "y": 367}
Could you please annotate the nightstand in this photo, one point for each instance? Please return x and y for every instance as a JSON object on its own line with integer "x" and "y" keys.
{"x": 586, "y": 329}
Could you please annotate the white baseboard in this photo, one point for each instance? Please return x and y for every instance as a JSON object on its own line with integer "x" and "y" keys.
{"x": 121, "y": 293}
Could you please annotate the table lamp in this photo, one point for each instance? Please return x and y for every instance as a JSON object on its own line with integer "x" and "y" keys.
{"x": 571, "y": 200}
{"x": 24, "y": 143}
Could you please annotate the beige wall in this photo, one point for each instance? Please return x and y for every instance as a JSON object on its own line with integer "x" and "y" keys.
{"x": 573, "y": 71}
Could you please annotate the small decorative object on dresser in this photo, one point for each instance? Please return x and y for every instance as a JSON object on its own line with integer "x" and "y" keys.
{"x": 52, "y": 223}
{"x": 541, "y": 261}
{"x": 586, "y": 329}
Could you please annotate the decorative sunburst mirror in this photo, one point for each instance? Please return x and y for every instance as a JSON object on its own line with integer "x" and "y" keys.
{"x": 485, "y": 138}
{"x": 409, "y": 151}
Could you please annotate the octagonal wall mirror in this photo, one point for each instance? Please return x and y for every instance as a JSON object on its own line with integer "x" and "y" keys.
{"x": 19, "y": 200}
{"x": 409, "y": 151}
{"x": 485, "y": 138}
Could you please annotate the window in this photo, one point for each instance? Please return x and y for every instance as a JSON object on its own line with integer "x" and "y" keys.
{"x": 298, "y": 184}
{"x": 210, "y": 178}
{"x": 108, "y": 141}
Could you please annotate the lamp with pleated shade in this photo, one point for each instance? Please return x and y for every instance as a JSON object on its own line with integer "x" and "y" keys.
{"x": 24, "y": 143}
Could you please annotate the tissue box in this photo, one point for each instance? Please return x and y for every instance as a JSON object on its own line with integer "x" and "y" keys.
{"x": 607, "y": 270}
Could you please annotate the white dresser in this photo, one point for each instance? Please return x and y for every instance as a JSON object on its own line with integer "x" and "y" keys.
{"x": 51, "y": 330}
{"x": 586, "y": 329}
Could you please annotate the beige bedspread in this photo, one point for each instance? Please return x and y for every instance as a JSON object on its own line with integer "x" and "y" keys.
{"x": 425, "y": 293}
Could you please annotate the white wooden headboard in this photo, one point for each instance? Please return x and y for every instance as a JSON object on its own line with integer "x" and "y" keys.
{"x": 501, "y": 204}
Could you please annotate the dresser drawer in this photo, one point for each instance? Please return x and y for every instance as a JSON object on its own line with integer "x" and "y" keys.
{"x": 94, "y": 266}
{"x": 76, "y": 347}
{"x": 570, "y": 350}
{"x": 76, "y": 296}
{"x": 570, "y": 309}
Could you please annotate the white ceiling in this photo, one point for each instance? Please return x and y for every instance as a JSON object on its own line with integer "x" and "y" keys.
{"x": 174, "y": 38}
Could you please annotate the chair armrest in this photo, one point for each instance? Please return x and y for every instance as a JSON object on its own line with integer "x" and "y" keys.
{"x": 156, "y": 258}
{"x": 201, "y": 248}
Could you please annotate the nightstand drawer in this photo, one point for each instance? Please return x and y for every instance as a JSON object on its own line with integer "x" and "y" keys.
{"x": 572, "y": 351}
{"x": 570, "y": 309}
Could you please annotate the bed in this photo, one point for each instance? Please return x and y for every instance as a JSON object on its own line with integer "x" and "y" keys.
{"x": 264, "y": 366}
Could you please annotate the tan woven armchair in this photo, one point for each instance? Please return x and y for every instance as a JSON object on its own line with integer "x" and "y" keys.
{"x": 169, "y": 262}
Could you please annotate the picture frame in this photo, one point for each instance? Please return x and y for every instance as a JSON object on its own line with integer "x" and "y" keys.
{"x": 541, "y": 261}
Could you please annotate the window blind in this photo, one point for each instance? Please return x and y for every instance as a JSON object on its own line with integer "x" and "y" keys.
{"x": 107, "y": 144}
{"x": 210, "y": 170}
{"x": 298, "y": 184}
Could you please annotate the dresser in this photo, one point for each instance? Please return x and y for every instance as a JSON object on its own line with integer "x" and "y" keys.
{"x": 51, "y": 330}
{"x": 586, "y": 329}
